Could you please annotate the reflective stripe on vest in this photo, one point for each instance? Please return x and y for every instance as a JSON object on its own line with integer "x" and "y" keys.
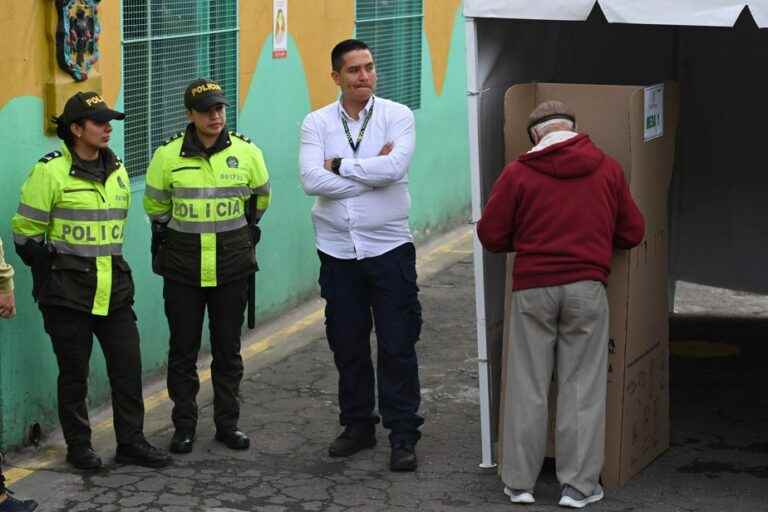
{"x": 87, "y": 251}
{"x": 89, "y": 215}
{"x": 33, "y": 213}
{"x": 218, "y": 226}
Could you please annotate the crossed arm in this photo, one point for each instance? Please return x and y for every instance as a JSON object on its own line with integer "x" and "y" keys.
{"x": 316, "y": 179}
{"x": 356, "y": 175}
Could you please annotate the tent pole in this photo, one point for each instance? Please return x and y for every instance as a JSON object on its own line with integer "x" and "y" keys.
{"x": 473, "y": 107}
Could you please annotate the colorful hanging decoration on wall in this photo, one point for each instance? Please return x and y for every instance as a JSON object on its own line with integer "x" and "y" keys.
{"x": 77, "y": 36}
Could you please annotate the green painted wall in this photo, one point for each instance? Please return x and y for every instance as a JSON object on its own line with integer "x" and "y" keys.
{"x": 275, "y": 105}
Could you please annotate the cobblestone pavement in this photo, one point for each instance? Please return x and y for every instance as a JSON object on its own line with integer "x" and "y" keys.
{"x": 289, "y": 410}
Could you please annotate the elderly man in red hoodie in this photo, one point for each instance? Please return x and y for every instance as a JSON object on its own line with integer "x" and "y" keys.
{"x": 562, "y": 208}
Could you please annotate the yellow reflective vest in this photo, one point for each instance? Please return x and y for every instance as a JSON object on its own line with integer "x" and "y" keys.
{"x": 202, "y": 197}
{"x": 80, "y": 222}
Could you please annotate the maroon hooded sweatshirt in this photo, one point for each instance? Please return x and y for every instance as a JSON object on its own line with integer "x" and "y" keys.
{"x": 562, "y": 210}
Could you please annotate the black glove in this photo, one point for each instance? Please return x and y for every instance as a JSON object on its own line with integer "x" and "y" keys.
{"x": 158, "y": 240}
{"x": 158, "y": 237}
{"x": 38, "y": 256}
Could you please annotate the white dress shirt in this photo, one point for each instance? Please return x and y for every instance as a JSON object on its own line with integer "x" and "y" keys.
{"x": 363, "y": 211}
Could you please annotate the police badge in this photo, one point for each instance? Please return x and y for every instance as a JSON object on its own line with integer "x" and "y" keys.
{"x": 232, "y": 162}
{"x": 77, "y": 36}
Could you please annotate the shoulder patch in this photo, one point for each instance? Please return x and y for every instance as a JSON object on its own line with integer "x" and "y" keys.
{"x": 50, "y": 156}
{"x": 240, "y": 136}
{"x": 172, "y": 138}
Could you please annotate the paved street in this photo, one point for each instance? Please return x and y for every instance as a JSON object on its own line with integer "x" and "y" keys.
{"x": 718, "y": 461}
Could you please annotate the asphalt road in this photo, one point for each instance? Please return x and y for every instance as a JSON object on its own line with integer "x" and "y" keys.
{"x": 718, "y": 460}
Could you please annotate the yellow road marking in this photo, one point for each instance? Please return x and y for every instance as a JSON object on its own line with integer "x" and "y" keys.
{"x": 43, "y": 461}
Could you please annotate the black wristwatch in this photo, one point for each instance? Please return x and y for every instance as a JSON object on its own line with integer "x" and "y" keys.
{"x": 335, "y": 165}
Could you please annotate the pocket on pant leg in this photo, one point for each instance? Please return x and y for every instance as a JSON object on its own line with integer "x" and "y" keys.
{"x": 587, "y": 299}
{"x": 411, "y": 305}
{"x": 59, "y": 323}
{"x": 325, "y": 280}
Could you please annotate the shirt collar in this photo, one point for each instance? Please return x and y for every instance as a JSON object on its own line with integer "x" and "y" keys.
{"x": 363, "y": 112}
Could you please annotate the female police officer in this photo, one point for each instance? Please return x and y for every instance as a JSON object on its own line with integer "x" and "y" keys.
{"x": 199, "y": 186}
{"x": 69, "y": 229}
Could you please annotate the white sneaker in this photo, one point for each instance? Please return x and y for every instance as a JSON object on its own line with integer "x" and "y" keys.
{"x": 573, "y": 498}
{"x": 519, "y": 497}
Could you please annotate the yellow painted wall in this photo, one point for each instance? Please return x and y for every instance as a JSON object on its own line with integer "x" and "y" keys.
{"x": 439, "y": 17}
{"x": 318, "y": 25}
{"x": 24, "y": 59}
{"x": 315, "y": 25}
{"x": 27, "y": 58}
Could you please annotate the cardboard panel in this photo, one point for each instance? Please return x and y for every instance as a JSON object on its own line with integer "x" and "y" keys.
{"x": 601, "y": 112}
{"x": 519, "y": 102}
{"x": 646, "y": 411}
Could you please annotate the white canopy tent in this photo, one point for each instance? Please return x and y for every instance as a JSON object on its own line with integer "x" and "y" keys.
{"x": 717, "y": 198}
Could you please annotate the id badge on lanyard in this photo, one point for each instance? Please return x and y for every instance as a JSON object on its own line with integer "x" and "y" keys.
{"x": 356, "y": 145}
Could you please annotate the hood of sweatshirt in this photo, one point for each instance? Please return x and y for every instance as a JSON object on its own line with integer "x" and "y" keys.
{"x": 572, "y": 158}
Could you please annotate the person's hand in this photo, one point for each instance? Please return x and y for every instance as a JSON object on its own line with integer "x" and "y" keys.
{"x": 386, "y": 149}
{"x": 7, "y": 304}
{"x": 327, "y": 164}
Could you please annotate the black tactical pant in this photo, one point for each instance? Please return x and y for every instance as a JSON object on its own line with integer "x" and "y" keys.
{"x": 359, "y": 294}
{"x": 71, "y": 332}
{"x": 185, "y": 309}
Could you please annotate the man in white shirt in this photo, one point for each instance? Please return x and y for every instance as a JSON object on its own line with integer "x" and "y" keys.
{"x": 354, "y": 157}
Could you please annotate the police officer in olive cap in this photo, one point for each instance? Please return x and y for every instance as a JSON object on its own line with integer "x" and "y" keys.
{"x": 69, "y": 230}
{"x": 206, "y": 189}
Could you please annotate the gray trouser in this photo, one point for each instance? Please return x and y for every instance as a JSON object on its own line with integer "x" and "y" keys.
{"x": 570, "y": 323}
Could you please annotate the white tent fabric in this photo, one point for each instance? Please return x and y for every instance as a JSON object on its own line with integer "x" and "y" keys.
{"x": 704, "y": 13}
{"x": 645, "y": 41}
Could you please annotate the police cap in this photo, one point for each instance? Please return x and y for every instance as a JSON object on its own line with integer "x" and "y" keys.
{"x": 85, "y": 105}
{"x": 202, "y": 94}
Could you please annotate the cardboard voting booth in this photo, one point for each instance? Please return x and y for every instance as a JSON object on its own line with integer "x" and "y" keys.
{"x": 636, "y": 126}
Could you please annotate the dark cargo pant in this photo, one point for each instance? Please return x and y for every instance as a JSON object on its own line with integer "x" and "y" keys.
{"x": 185, "y": 307}
{"x": 71, "y": 332}
{"x": 359, "y": 294}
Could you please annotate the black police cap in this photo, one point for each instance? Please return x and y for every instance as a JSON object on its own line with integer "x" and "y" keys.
{"x": 87, "y": 105}
{"x": 202, "y": 94}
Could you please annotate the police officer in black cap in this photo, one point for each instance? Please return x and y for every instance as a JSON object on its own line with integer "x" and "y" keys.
{"x": 206, "y": 189}
{"x": 69, "y": 229}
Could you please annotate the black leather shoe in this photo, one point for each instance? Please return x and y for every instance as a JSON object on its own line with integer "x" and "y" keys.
{"x": 403, "y": 458}
{"x": 233, "y": 439}
{"x": 352, "y": 440}
{"x": 182, "y": 441}
{"x": 83, "y": 457}
{"x": 141, "y": 453}
{"x": 11, "y": 504}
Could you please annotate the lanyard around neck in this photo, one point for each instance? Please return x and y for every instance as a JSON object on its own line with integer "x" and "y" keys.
{"x": 356, "y": 145}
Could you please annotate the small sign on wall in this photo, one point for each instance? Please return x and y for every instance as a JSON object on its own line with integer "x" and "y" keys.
{"x": 280, "y": 29}
{"x": 654, "y": 112}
